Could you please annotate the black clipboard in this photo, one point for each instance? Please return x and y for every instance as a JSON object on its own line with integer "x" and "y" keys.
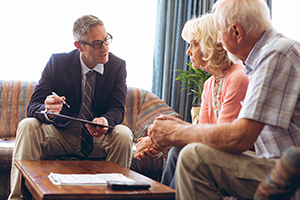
{"x": 75, "y": 119}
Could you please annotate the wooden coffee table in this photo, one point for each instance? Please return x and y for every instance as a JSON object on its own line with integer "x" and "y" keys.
{"x": 35, "y": 182}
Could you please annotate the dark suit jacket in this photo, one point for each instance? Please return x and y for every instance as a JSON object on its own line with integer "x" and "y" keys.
{"x": 62, "y": 75}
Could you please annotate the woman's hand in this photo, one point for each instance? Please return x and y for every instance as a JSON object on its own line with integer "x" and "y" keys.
{"x": 146, "y": 148}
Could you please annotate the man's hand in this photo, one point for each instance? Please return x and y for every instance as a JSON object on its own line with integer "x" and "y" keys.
{"x": 53, "y": 104}
{"x": 97, "y": 131}
{"x": 166, "y": 131}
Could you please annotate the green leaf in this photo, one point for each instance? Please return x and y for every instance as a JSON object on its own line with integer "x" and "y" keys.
{"x": 193, "y": 80}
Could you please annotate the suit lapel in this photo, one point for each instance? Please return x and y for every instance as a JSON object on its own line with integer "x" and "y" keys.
{"x": 75, "y": 71}
{"x": 99, "y": 89}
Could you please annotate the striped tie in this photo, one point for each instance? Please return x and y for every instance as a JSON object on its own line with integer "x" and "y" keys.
{"x": 87, "y": 113}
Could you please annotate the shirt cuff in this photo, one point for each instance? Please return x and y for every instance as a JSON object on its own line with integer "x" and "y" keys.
{"x": 48, "y": 119}
{"x": 105, "y": 120}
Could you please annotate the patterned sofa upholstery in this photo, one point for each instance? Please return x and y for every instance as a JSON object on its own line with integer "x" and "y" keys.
{"x": 142, "y": 107}
{"x": 283, "y": 181}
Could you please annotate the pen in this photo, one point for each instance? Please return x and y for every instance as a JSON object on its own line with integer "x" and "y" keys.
{"x": 64, "y": 102}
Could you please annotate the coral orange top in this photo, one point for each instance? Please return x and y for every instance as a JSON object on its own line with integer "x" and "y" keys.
{"x": 234, "y": 90}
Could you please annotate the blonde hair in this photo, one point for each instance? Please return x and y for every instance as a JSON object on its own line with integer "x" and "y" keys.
{"x": 202, "y": 31}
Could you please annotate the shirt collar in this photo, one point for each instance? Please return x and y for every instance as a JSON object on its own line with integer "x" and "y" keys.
{"x": 84, "y": 69}
{"x": 256, "y": 50}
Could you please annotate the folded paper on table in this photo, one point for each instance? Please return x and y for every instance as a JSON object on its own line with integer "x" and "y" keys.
{"x": 86, "y": 179}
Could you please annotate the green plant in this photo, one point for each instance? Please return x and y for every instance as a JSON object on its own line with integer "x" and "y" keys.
{"x": 194, "y": 80}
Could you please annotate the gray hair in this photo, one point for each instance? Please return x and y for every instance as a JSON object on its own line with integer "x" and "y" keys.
{"x": 83, "y": 25}
{"x": 252, "y": 15}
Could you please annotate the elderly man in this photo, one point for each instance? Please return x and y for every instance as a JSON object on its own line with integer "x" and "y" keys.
{"x": 93, "y": 83}
{"x": 213, "y": 162}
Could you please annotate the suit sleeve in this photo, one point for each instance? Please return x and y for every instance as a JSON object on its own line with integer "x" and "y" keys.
{"x": 117, "y": 98}
{"x": 43, "y": 88}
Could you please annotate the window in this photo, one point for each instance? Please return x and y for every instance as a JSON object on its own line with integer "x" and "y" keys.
{"x": 32, "y": 30}
{"x": 285, "y": 15}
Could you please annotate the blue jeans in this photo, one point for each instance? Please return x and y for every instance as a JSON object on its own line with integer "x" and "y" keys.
{"x": 168, "y": 177}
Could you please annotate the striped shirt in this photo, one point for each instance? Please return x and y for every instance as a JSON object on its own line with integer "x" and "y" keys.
{"x": 272, "y": 98}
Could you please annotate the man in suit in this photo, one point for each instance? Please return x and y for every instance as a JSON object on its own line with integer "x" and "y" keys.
{"x": 99, "y": 97}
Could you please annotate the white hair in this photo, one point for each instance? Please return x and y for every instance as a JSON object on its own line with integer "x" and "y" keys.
{"x": 252, "y": 15}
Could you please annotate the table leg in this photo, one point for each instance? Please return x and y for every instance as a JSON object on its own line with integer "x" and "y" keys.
{"x": 25, "y": 194}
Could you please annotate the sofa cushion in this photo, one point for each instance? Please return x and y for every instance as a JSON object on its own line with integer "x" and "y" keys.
{"x": 134, "y": 100}
{"x": 283, "y": 180}
{"x": 141, "y": 109}
{"x": 14, "y": 98}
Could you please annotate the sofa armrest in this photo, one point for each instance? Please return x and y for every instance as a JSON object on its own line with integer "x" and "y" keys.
{"x": 152, "y": 107}
{"x": 283, "y": 180}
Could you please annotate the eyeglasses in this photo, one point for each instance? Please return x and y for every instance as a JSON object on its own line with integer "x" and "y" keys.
{"x": 98, "y": 45}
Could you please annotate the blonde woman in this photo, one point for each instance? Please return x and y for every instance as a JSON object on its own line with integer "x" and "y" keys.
{"x": 222, "y": 93}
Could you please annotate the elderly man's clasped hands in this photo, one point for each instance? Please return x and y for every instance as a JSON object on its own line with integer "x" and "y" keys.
{"x": 163, "y": 133}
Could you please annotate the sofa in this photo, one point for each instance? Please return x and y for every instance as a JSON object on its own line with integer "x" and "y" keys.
{"x": 141, "y": 108}
{"x": 283, "y": 180}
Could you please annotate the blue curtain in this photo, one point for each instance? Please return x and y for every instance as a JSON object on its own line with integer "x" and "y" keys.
{"x": 170, "y": 50}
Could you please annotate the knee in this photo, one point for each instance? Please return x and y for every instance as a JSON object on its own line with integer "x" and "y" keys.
{"x": 195, "y": 153}
{"x": 122, "y": 133}
{"x": 186, "y": 155}
{"x": 28, "y": 124}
